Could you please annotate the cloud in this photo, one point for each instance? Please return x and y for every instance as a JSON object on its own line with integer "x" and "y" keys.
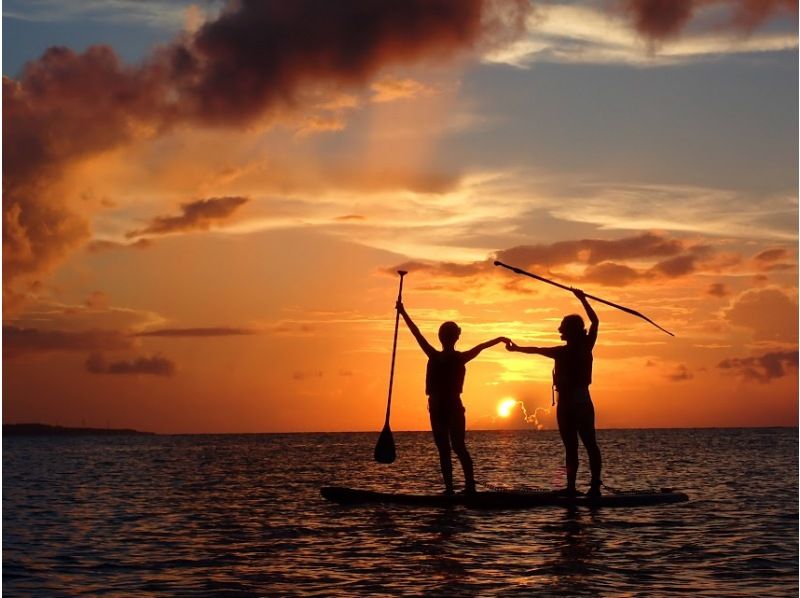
{"x": 391, "y": 90}
{"x": 65, "y": 108}
{"x": 769, "y": 313}
{"x": 680, "y": 373}
{"x": 675, "y": 372}
{"x": 196, "y": 332}
{"x": 593, "y": 251}
{"x": 449, "y": 269}
{"x": 306, "y": 375}
{"x": 771, "y": 260}
{"x": 611, "y": 274}
{"x": 154, "y": 13}
{"x": 103, "y": 245}
{"x": 772, "y": 255}
{"x": 657, "y": 20}
{"x": 682, "y": 258}
{"x": 196, "y": 215}
{"x": 290, "y": 328}
{"x": 763, "y": 368}
{"x": 97, "y": 300}
{"x": 320, "y": 123}
{"x": 261, "y": 53}
{"x": 645, "y": 33}
{"x": 681, "y": 208}
{"x": 23, "y": 341}
{"x": 718, "y": 289}
{"x": 256, "y": 56}
{"x": 154, "y": 366}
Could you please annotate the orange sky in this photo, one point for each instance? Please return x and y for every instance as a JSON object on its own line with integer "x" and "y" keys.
{"x": 186, "y": 274}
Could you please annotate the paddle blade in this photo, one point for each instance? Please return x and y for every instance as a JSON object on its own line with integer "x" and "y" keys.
{"x": 384, "y": 449}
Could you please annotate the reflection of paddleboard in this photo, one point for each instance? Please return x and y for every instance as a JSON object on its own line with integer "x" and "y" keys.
{"x": 504, "y": 499}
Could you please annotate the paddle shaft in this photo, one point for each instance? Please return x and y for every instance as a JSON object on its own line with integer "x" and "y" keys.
{"x": 628, "y": 310}
{"x": 402, "y": 273}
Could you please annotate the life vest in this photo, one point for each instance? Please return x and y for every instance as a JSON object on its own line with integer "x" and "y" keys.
{"x": 444, "y": 376}
{"x": 573, "y": 367}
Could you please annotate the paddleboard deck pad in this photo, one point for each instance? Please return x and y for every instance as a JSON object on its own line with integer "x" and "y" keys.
{"x": 504, "y": 499}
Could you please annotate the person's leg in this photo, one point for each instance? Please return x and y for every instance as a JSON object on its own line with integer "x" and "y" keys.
{"x": 441, "y": 437}
{"x": 569, "y": 436}
{"x": 589, "y": 438}
{"x": 458, "y": 431}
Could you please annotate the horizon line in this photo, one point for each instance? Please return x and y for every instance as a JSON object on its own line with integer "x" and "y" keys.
{"x": 528, "y": 429}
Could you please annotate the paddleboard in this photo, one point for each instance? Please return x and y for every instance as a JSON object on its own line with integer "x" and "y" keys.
{"x": 504, "y": 499}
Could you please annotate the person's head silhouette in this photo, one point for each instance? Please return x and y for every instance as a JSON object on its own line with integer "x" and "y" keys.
{"x": 572, "y": 328}
{"x": 448, "y": 334}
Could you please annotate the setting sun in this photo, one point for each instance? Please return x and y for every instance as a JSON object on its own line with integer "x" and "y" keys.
{"x": 505, "y": 406}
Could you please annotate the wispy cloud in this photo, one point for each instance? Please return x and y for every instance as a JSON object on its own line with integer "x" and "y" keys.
{"x": 585, "y": 34}
{"x": 22, "y": 341}
{"x": 153, "y": 366}
{"x": 682, "y": 208}
{"x": 391, "y": 90}
{"x": 196, "y": 332}
{"x": 196, "y": 215}
{"x": 161, "y": 14}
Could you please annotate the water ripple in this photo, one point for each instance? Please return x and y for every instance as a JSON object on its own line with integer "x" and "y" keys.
{"x": 242, "y": 516}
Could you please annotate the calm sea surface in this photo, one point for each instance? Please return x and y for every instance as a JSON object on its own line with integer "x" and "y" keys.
{"x": 242, "y": 515}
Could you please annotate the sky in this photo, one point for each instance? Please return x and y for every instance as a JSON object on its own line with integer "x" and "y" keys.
{"x": 205, "y": 206}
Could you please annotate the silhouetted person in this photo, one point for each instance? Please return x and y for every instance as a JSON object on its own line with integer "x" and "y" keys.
{"x": 572, "y": 376}
{"x": 444, "y": 381}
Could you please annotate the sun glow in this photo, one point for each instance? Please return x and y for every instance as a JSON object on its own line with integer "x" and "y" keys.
{"x": 505, "y": 406}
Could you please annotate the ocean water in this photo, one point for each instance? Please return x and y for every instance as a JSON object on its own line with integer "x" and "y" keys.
{"x": 242, "y": 515}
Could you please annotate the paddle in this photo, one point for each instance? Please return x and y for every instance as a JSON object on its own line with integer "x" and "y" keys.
{"x": 633, "y": 312}
{"x": 384, "y": 449}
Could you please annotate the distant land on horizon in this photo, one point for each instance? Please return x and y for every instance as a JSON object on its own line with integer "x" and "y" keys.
{"x": 49, "y": 430}
{"x": 38, "y": 429}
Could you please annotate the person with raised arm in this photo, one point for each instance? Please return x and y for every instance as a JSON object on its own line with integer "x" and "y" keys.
{"x": 444, "y": 382}
{"x": 572, "y": 376}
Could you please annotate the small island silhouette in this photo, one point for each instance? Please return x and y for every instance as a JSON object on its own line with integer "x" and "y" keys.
{"x": 48, "y": 430}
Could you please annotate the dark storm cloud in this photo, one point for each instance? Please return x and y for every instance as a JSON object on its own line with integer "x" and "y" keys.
{"x": 259, "y": 53}
{"x": 256, "y": 55}
{"x": 196, "y": 215}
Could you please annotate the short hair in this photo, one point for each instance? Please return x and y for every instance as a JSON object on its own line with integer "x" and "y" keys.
{"x": 449, "y": 331}
{"x": 572, "y": 325}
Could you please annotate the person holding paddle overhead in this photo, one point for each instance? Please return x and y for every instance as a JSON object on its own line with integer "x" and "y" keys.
{"x": 572, "y": 376}
{"x": 444, "y": 381}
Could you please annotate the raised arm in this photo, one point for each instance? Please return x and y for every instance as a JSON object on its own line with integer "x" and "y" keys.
{"x": 550, "y": 352}
{"x": 424, "y": 344}
{"x": 591, "y": 336}
{"x": 475, "y": 351}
